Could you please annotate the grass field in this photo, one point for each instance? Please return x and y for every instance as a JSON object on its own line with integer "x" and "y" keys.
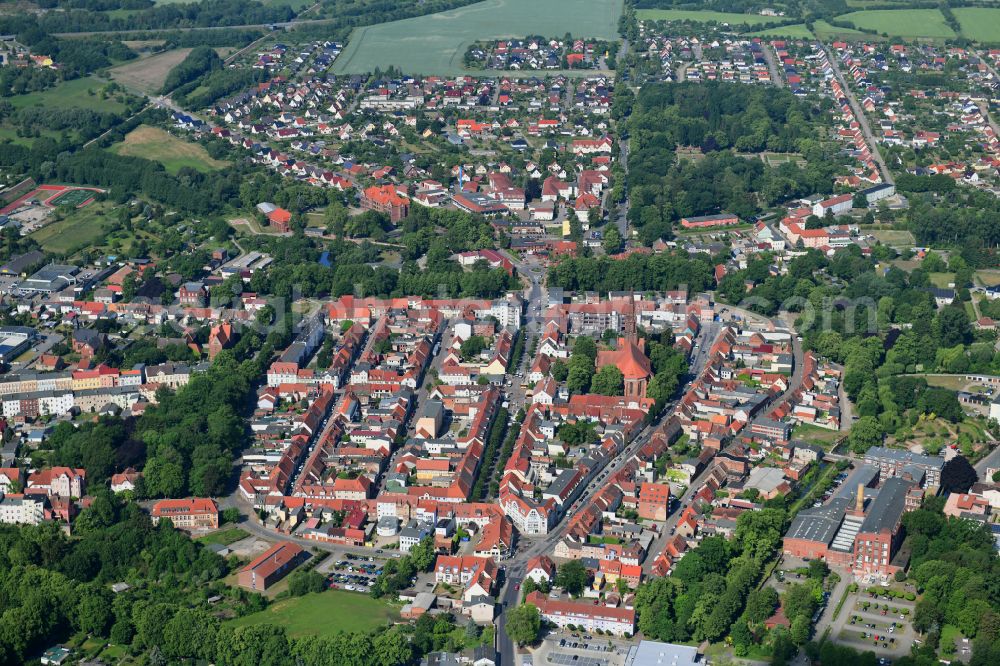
{"x": 74, "y": 93}
{"x": 224, "y": 537}
{"x": 148, "y": 74}
{"x": 323, "y": 614}
{"x": 84, "y": 227}
{"x": 703, "y": 16}
{"x": 825, "y": 30}
{"x": 988, "y": 277}
{"x": 894, "y": 237}
{"x": 979, "y": 23}
{"x": 902, "y": 22}
{"x": 941, "y": 280}
{"x": 798, "y": 31}
{"x": 155, "y": 144}
{"x": 436, "y": 43}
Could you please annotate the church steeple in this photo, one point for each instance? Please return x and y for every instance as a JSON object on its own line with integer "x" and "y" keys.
{"x": 631, "y": 332}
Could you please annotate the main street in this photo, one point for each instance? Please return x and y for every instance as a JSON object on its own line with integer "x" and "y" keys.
{"x": 532, "y": 547}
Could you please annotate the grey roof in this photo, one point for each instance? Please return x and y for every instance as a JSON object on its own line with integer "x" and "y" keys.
{"x": 887, "y": 508}
{"x": 903, "y": 456}
{"x": 654, "y": 653}
{"x": 819, "y": 524}
{"x": 864, "y": 475}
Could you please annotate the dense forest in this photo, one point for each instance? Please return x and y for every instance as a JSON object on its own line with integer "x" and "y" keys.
{"x": 721, "y": 120}
{"x": 204, "y": 14}
{"x": 642, "y": 272}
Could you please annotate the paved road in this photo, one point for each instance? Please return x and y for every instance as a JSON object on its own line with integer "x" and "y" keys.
{"x": 533, "y": 546}
{"x": 777, "y": 76}
{"x": 859, "y": 113}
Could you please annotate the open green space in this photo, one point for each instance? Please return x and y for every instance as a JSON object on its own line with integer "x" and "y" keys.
{"x": 323, "y": 614}
{"x": 815, "y": 435}
{"x": 979, "y": 23}
{"x": 894, "y": 237}
{"x": 797, "y": 31}
{"x": 84, "y": 227}
{"x": 172, "y": 152}
{"x": 824, "y": 30}
{"x": 927, "y": 23}
{"x": 436, "y": 43}
{"x": 82, "y": 93}
{"x": 704, "y": 16}
{"x": 941, "y": 280}
{"x": 224, "y": 537}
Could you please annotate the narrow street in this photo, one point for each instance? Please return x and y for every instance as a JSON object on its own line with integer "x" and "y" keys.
{"x": 859, "y": 113}
{"x": 777, "y": 73}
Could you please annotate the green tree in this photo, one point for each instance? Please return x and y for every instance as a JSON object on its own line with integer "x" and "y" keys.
{"x": 865, "y": 433}
{"x": 572, "y": 576}
{"x": 608, "y": 381}
{"x": 524, "y": 624}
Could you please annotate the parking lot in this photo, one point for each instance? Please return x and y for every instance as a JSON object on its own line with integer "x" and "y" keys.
{"x": 562, "y": 648}
{"x": 879, "y": 623}
{"x": 354, "y": 573}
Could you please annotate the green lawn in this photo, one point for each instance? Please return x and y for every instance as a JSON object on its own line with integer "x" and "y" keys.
{"x": 797, "y": 31}
{"x": 902, "y": 22}
{"x": 979, "y": 23}
{"x": 815, "y": 434}
{"x": 825, "y": 30}
{"x": 941, "y": 280}
{"x": 323, "y": 614}
{"x": 224, "y": 537}
{"x": 436, "y": 43}
{"x": 74, "y": 93}
{"x": 704, "y": 16}
{"x": 84, "y": 227}
{"x": 894, "y": 237}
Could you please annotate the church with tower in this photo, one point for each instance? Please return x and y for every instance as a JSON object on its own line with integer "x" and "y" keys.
{"x": 630, "y": 357}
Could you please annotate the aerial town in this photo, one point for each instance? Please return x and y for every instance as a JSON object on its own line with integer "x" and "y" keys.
{"x": 449, "y": 333}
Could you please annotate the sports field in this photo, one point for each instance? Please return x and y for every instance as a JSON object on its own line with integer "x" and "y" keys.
{"x": 173, "y": 153}
{"x": 436, "y": 43}
{"x": 927, "y": 23}
{"x": 704, "y": 16}
{"x": 75, "y": 198}
{"x": 979, "y": 23}
{"x": 323, "y": 614}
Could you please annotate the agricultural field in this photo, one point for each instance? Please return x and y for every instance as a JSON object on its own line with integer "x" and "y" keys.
{"x": 436, "y": 43}
{"x": 704, "y": 16}
{"x": 148, "y": 74}
{"x": 83, "y": 93}
{"x": 979, "y": 23}
{"x": 173, "y": 153}
{"x": 337, "y": 609}
{"x": 927, "y": 23}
